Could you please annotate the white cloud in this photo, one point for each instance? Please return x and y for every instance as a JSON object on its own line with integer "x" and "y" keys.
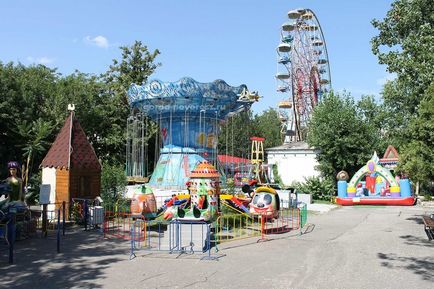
{"x": 40, "y": 60}
{"x": 99, "y": 41}
{"x": 383, "y": 80}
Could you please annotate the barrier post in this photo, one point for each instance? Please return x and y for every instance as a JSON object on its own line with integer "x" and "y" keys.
{"x": 63, "y": 217}
{"x": 58, "y": 230}
{"x": 132, "y": 255}
{"x": 11, "y": 237}
{"x": 262, "y": 229}
{"x": 85, "y": 215}
{"x": 301, "y": 221}
{"x": 44, "y": 220}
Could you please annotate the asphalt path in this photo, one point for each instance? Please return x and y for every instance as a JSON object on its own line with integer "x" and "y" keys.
{"x": 347, "y": 247}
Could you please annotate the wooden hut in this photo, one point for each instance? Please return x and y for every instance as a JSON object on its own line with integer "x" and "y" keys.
{"x": 71, "y": 166}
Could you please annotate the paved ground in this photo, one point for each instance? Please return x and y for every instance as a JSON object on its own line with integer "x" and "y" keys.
{"x": 348, "y": 247}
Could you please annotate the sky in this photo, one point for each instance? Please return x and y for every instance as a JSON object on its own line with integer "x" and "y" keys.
{"x": 233, "y": 40}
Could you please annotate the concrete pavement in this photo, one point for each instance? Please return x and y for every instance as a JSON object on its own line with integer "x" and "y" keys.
{"x": 348, "y": 247}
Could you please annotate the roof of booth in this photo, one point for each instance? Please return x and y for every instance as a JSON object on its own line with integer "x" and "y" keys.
{"x": 227, "y": 159}
{"x": 292, "y": 146}
{"x": 82, "y": 153}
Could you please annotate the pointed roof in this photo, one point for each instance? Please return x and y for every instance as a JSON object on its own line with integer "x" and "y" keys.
{"x": 391, "y": 153}
{"x": 204, "y": 170}
{"x": 82, "y": 153}
{"x": 390, "y": 158}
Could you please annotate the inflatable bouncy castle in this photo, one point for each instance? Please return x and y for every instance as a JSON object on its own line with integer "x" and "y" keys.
{"x": 374, "y": 184}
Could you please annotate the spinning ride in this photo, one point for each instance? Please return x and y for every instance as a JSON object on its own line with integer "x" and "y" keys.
{"x": 303, "y": 71}
{"x": 188, "y": 115}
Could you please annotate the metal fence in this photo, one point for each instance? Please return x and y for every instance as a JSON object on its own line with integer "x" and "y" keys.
{"x": 174, "y": 237}
{"x": 303, "y": 214}
{"x": 235, "y": 224}
{"x": 22, "y": 223}
{"x": 119, "y": 224}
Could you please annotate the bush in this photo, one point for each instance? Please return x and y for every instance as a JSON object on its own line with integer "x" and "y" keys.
{"x": 320, "y": 189}
{"x": 32, "y": 195}
{"x": 113, "y": 182}
{"x": 427, "y": 196}
{"x": 277, "y": 178}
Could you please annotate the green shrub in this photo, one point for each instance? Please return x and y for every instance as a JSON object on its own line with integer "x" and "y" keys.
{"x": 320, "y": 189}
{"x": 113, "y": 182}
{"x": 277, "y": 178}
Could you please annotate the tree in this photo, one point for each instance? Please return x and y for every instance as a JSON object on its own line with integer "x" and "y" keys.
{"x": 343, "y": 135}
{"x": 417, "y": 156}
{"x": 235, "y": 133}
{"x": 113, "y": 182}
{"x": 25, "y": 92}
{"x": 136, "y": 65}
{"x": 375, "y": 116}
{"x": 34, "y": 96}
{"x": 405, "y": 44}
{"x": 36, "y": 135}
{"x": 267, "y": 125}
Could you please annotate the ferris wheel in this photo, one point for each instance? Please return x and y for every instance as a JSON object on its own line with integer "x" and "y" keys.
{"x": 303, "y": 72}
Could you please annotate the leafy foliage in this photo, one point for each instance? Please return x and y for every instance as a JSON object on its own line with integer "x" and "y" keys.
{"x": 267, "y": 125}
{"x": 345, "y": 135}
{"x": 136, "y": 65}
{"x": 319, "y": 188}
{"x": 33, "y": 102}
{"x": 36, "y": 134}
{"x": 277, "y": 178}
{"x": 405, "y": 46}
{"x": 417, "y": 156}
{"x": 113, "y": 182}
{"x": 235, "y": 133}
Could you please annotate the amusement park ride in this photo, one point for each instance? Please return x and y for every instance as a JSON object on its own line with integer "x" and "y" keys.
{"x": 303, "y": 72}
{"x": 188, "y": 114}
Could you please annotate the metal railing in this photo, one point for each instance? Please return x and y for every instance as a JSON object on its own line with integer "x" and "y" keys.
{"x": 235, "y": 224}
{"x": 172, "y": 237}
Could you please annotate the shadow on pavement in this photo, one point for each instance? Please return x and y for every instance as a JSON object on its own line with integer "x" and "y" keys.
{"x": 417, "y": 241}
{"x": 309, "y": 228}
{"x": 420, "y": 266}
{"x": 83, "y": 257}
{"x": 417, "y": 219}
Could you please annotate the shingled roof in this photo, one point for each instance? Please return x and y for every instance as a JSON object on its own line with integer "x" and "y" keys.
{"x": 82, "y": 153}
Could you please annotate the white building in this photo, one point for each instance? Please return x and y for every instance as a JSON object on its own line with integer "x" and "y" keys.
{"x": 294, "y": 161}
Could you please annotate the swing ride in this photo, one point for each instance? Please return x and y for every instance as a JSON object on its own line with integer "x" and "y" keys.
{"x": 187, "y": 113}
{"x": 303, "y": 72}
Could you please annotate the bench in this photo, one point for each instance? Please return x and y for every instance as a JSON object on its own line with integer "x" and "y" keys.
{"x": 428, "y": 226}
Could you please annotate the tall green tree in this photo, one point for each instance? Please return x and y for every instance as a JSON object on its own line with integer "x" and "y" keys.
{"x": 36, "y": 134}
{"x": 374, "y": 114}
{"x": 136, "y": 65}
{"x": 343, "y": 135}
{"x": 267, "y": 125}
{"x": 235, "y": 133}
{"x": 405, "y": 44}
{"x": 417, "y": 156}
{"x": 24, "y": 93}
